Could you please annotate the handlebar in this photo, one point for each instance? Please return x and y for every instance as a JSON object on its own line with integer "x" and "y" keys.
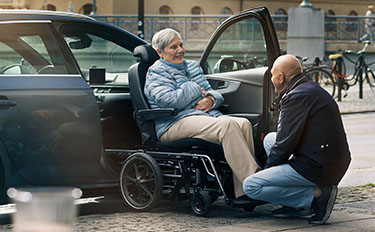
{"x": 359, "y": 52}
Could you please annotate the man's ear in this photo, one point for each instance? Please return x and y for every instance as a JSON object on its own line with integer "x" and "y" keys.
{"x": 282, "y": 78}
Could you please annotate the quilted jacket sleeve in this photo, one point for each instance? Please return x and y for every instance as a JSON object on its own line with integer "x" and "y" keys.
{"x": 162, "y": 90}
{"x": 199, "y": 77}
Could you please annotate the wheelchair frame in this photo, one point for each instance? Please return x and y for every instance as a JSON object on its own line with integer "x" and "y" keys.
{"x": 146, "y": 175}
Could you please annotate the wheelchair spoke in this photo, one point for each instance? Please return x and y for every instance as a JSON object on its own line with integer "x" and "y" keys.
{"x": 137, "y": 175}
{"x": 144, "y": 181}
{"x": 131, "y": 179}
{"x": 146, "y": 190}
{"x": 145, "y": 172}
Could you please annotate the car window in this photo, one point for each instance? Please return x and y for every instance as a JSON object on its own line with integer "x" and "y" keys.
{"x": 94, "y": 51}
{"x": 29, "y": 49}
{"x": 35, "y": 41}
{"x": 241, "y": 46}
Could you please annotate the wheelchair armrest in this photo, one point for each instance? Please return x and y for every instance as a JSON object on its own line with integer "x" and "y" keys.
{"x": 224, "y": 108}
{"x": 152, "y": 114}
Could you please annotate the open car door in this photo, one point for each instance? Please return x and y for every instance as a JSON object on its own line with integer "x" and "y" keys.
{"x": 237, "y": 63}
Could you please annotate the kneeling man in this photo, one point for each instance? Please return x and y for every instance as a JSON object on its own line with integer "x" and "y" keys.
{"x": 309, "y": 153}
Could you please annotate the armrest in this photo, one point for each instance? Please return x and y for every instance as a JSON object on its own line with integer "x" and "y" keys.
{"x": 152, "y": 114}
{"x": 224, "y": 108}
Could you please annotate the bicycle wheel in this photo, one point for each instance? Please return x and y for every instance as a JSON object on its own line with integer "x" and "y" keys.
{"x": 352, "y": 80}
{"x": 371, "y": 78}
{"x": 323, "y": 78}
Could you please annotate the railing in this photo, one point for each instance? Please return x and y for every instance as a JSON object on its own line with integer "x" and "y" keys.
{"x": 201, "y": 27}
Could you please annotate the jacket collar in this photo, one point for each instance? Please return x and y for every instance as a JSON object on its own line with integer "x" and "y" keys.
{"x": 294, "y": 82}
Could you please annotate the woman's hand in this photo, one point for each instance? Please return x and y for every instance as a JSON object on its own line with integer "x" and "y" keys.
{"x": 206, "y": 103}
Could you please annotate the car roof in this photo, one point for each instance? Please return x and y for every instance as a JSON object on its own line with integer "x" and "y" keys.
{"x": 40, "y": 14}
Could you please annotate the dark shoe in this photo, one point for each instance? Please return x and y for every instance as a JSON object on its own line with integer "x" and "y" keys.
{"x": 289, "y": 212}
{"x": 245, "y": 200}
{"x": 323, "y": 205}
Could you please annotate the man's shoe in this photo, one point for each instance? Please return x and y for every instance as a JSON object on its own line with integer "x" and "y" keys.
{"x": 245, "y": 200}
{"x": 289, "y": 212}
{"x": 323, "y": 205}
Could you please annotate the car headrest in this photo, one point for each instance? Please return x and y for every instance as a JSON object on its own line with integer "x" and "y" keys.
{"x": 146, "y": 53}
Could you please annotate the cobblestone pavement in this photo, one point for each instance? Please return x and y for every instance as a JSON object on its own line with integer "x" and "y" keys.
{"x": 177, "y": 216}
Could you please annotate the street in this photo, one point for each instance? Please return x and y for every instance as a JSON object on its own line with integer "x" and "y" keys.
{"x": 360, "y": 129}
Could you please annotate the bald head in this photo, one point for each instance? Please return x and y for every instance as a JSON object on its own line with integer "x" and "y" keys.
{"x": 284, "y": 69}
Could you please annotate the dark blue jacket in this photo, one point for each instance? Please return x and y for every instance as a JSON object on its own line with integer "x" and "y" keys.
{"x": 310, "y": 128}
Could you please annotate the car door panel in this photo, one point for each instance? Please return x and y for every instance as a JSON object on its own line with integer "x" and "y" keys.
{"x": 237, "y": 61}
{"x": 52, "y": 132}
{"x": 113, "y": 49}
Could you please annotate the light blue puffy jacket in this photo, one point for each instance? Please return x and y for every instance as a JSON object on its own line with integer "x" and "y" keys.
{"x": 177, "y": 86}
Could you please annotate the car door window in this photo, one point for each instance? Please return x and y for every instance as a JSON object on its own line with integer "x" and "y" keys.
{"x": 93, "y": 50}
{"x": 29, "y": 49}
{"x": 241, "y": 46}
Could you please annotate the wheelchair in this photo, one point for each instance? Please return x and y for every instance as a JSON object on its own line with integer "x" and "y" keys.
{"x": 189, "y": 168}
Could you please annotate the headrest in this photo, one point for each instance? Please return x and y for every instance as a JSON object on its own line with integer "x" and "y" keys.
{"x": 146, "y": 53}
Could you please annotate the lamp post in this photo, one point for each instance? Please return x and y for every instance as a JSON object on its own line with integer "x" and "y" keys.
{"x": 141, "y": 19}
{"x": 93, "y": 7}
{"x": 306, "y": 3}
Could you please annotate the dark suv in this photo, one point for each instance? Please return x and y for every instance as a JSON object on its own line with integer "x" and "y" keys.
{"x": 64, "y": 94}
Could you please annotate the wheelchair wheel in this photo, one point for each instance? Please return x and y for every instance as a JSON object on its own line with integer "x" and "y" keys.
{"x": 141, "y": 182}
{"x": 201, "y": 203}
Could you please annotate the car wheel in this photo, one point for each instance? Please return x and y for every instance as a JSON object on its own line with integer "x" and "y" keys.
{"x": 141, "y": 182}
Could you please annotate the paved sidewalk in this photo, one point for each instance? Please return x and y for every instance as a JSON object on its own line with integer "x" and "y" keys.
{"x": 338, "y": 222}
{"x": 353, "y": 104}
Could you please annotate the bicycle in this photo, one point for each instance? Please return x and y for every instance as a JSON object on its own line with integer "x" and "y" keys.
{"x": 360, "y": 67}
{"x": 319, "y": 73}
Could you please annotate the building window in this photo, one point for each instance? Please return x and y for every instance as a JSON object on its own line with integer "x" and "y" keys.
{"x": 197, "y": 10}
{"x": 330, "y": 21}
{"x": 280, "y": 20}
{"x": 280, "y": 11}
{"x": 86, "y": 9}
{"x": 165, "y": 10}
{"x": 351, "y": 23}
{"x": 195, "y": 21}
{"x": 48, "y": 7}
{"x": 226, "y": 11}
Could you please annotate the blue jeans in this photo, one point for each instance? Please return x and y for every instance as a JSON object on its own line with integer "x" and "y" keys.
{"x": 279, "y": 184}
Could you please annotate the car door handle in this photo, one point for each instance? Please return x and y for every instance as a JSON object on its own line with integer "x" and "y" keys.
{"x": 7, "y": 103}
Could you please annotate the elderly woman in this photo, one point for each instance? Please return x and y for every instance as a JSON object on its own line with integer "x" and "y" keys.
{"x": 175, "y": 82}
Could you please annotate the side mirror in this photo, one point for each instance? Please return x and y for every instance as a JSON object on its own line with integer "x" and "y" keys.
{"x": 228, "y": 65}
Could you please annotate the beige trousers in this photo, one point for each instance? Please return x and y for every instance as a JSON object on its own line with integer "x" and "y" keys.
{"x": 233, "y": 133}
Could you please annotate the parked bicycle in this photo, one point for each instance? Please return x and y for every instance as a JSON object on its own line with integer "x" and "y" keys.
{"x": 361, "y": 69}
{"x": 319, "y": 73}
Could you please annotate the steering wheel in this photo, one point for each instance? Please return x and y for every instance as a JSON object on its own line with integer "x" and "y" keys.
{"x": 46, "y": 69}
{"x": 18, "y": 69}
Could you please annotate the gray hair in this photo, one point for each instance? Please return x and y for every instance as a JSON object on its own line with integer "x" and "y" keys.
{"x": 164, "y": 37}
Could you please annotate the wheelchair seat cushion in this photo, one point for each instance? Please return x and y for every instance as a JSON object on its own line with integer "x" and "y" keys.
{"x": 192, "y": 145}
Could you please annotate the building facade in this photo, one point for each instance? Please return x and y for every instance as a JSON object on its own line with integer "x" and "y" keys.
{"x": 181, "y": 7}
